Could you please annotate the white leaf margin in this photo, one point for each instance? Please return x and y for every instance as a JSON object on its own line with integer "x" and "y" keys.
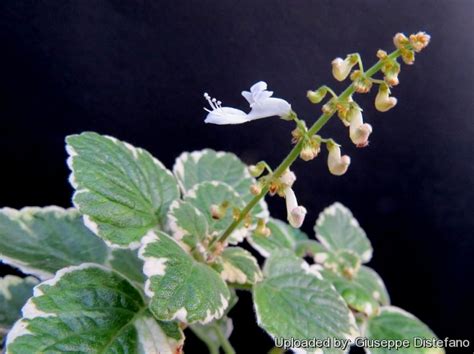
{"x": 14, "y": 215}
{"x": 331, "y": 210}
{"x": 155, "y": 338}
{"x": 91, "y": 225}
{"x": 157, "y": 266}
{"x": 179, "y": 172}
{"x": 314, "y": 270}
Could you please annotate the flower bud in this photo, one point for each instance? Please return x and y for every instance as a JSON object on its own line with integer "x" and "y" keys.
{"x": 400, "y": 40}
{"x": 255, "y": 189}
{"x": 318, "y": 95}
{"x": 337, "y": 164}
{"x": 257, "y": 170}
{"x": 295, "y": 212}
{"x": 419, "y": 41}
{"x": 383, "y": 102}
{"x": 381, "y": 54}
{"x": 296, "y": 218}
{"x": 262, "y": 229}
{"x": 217, "y": 212}
{"x": 342, "y": 68}
{"x": 359, "y": 131}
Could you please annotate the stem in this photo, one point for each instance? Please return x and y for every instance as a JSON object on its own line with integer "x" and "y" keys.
{"x": 359, "y": 61}
{"x": 211, "y": 345}
{"x": 226, "y": 346}
{"x": 294, "y": 153}
{"x": 330, "y": 90}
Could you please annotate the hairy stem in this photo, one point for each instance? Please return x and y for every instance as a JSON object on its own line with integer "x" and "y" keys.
{"x": 294, "y": 153}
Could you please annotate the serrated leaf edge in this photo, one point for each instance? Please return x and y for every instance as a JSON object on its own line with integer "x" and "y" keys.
{"x": 233, "y": 274}
{"x": 30, "y": 311}
{"x": 14, "y": 214}
{"x": 88, "y": 222}
{"x": 179, "y": 170}
{"x": 156, "y": 266}
{"x": 313, "y": 270}
{"x": 331, "y": 210}
{"x": 172, "y": 222}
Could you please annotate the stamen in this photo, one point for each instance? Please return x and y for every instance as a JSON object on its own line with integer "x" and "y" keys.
{"x": 214, "y": 103}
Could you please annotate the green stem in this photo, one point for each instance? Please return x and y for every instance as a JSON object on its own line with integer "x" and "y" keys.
{"x": 330, "y": 90}
{"x": 211, "y": 345}
{"x": 294, "y": 153}
{"x": 226, "y": 346}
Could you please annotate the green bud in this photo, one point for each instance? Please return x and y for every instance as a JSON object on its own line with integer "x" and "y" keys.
{"x": 318, "y": 95}
{"x": 257, "y": 170}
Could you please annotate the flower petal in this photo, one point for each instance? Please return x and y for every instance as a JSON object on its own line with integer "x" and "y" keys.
{"x": 258, "y": 87}
{"x": 248, "y": 96}
{"x": 226, "y": 115}
{"x": 269, "y": 107}
{"x": 290, "y": 199}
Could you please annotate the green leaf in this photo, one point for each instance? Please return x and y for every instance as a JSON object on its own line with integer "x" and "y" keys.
{"x": 123, "y": 191}
{"x": 344, "y": 262}
{"x": 14, "y": 291}
{"x": 179, "y": 286}
{"x": 397, "y": 324}
{"x": 305, "y": 248}
{"x": 208, "y": 165}
{"x": 370, "y": 280}
{"x": 337, "y": 229}
{"x": 40, "y": 241}
{"x": 283, "y": 236}
{"x": 354, "y": 294}
{"x": 187, "y": 223}
{"x": 91, "y": 309}
{"x": 206, "y": 194}
{"x": 239, "y": 266}
{"x": 294, "y": 301}
{"x": 127, "y": 263}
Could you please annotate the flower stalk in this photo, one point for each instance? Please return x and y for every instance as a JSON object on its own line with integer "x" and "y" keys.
{"x": 295, "y": 152}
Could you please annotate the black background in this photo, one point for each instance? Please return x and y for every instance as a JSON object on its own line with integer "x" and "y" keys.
{"x": 137, "y": 70}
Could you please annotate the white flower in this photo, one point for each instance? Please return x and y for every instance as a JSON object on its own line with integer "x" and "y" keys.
{"x": 261, "y": 103}
{"x": 295, "y": 213}
{"x": 383, "y": 102}
{"x": 337, "y": 164}
{"x": 358, "y": 130}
